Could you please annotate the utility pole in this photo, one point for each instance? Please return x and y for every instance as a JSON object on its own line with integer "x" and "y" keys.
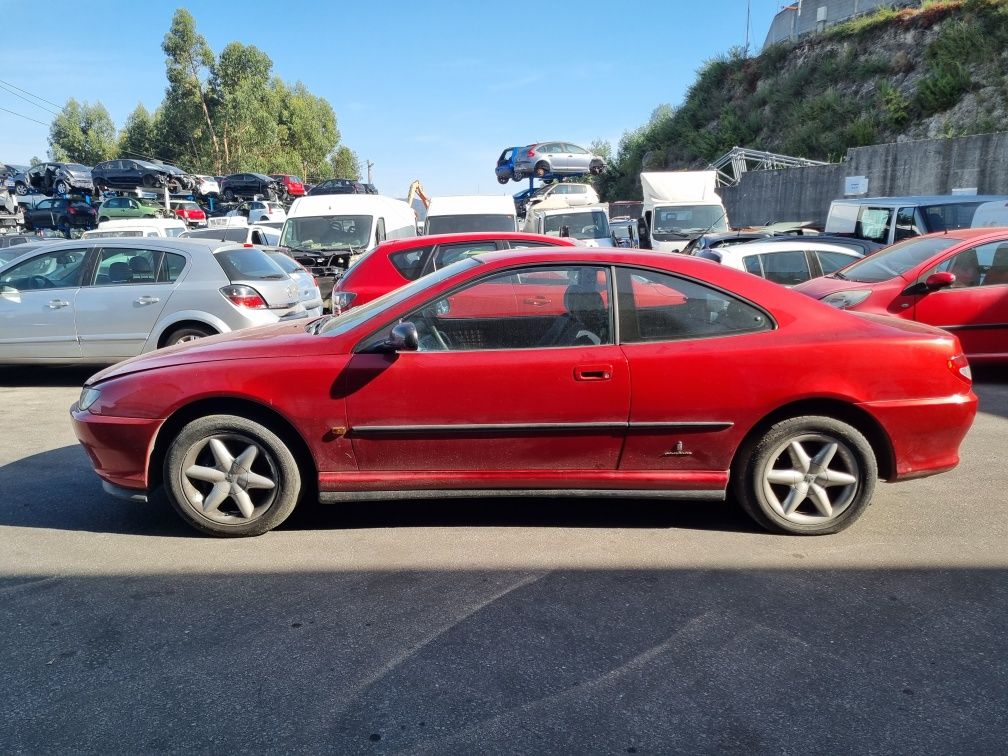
{"x": 370, "y": 165}
{"x": 748, "y": 25}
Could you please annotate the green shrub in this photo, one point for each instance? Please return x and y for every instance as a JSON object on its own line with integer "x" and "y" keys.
{"x": 893, "y": 104}
{"x": 942, "y": 88}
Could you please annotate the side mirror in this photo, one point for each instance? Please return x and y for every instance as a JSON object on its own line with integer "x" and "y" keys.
{"x": 940, "y": 280}
{"x": 402, "y": 338}
{"x": 5, "y": 289}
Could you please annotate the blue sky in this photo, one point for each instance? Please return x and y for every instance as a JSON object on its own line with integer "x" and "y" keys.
{"x": 423, "y": 89}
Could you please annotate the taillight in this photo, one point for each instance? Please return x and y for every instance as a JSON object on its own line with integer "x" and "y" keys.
{"x": 72, "y": 210}
{"x": 531, "y": 153}
{"x": 959, "y": 365}
{"x": 244, "y": 296}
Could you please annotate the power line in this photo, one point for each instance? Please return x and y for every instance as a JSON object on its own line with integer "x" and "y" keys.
{"x": 30, "y": 94}
{"x": 30, "y": 102}
{"x": 24, "y": 116}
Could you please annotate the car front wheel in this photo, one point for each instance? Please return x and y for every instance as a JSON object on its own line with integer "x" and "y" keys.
{"x": 62, "y": 187}
{"x": 806, "y": 476}
{"x": 230, "y": 476}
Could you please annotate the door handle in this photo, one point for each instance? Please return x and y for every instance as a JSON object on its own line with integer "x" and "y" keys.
{"x": 146, "y": 300}
{"x": 593, "y": 373}
{"x": 537, "y": 301}
{"x": 56, "y": 304}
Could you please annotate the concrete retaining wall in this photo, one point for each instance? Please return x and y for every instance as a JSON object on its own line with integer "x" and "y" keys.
{"x": 929, "y": 166}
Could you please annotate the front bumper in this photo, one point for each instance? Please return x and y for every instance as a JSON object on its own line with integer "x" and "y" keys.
{"x": 118, "y": 447}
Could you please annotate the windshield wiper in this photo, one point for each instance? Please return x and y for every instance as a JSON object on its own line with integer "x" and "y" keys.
{"x": 839, "y": 275}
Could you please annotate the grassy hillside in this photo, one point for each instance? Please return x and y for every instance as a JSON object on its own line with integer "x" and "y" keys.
{"x": 937, "y": 70}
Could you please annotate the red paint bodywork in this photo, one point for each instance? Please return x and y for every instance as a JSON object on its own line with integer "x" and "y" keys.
{"x": 190, "y": 214}
{"x": 891, "y": 376}
{"x": 374, "y": 274}
{"x": 294, "y": 188}
{"x": 978, "y": 315}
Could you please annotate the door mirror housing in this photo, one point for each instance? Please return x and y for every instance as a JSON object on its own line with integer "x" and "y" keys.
{"x": 402, "y": 338}
{"x": 941, "y": 280}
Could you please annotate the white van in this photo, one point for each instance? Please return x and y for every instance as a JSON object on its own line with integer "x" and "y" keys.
{"x": 156, "y": 227}
{"x": 349, "y": 223}
{"x": 588, "y": 224}
{"x": 467, "y": 213}
{"x": 679, "y": 205}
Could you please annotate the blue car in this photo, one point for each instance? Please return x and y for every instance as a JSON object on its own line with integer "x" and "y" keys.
{"x": 505, "y": 165}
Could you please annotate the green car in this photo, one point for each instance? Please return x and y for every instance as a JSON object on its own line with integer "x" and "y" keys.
{"x": 128, "y": 207}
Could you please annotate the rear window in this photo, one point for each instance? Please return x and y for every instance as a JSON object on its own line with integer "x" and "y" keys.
{"x": 458, "y": 224}
{"x": 285, "y": 262}
{"x": 236, "y": 234}
{"x": 249, "y": 264}
{"x": 410, "y": 263}
{"x": 950, "y": 216}
{"x": 897, "y": 259}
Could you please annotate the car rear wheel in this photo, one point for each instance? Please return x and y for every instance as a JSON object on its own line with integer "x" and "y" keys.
{"x": 596, "y": 169}
{"x": 62, "y": 187}
{"x": 502, "y": 179}
{"x": 186, "y": 334}
{"x": 228, "y": 195}
{"x": 541, "y": 169}
{"x": 806, "y": 476}
{"x": 230, "y": 476}
{"x": 102, "y": 218}
{"x": 21, "y": 189}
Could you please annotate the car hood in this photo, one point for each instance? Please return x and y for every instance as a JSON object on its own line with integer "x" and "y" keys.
{"x": 281, "y": 340}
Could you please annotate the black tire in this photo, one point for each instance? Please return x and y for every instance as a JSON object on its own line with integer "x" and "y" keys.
{"x": 228, "y": 195}
{"x": 596, "y": 169}
{"x": 186, "y": 333}
{"x": 174, "y": 187}
{"x": 541, "y": 169}
{"x": 502, "y": 179}
{"x": 763, "y": 456}
{"x": 61, "y": 187}
{"x": 20, "y": 189}
{"x": 148, "y": 181}
{"x": 271, "y": 460}
{"x": 102, "y": 219}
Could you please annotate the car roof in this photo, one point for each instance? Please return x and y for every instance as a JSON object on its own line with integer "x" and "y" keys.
{"x": 923, "y": 199}
{"x": 168, "y": 244}
{"x": 414, "y": 242}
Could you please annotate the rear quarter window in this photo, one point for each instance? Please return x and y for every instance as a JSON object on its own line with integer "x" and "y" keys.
{"x": 410, "y": 263}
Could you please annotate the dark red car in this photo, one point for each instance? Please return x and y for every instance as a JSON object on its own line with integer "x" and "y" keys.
{"x": 291, "y": 185}
{"x": 190, "y": 212}
{"x": 956, "y": 280}
{"x": 395, "y": 263}
{"x": 658, "y": 375}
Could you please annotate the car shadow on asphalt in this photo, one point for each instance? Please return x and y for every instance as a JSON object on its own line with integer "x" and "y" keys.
{"x": 46, "y": 375}
{"x": 57, "y": 489}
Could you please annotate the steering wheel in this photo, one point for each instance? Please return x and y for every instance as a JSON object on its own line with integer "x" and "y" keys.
{"x": 423, "y": 324}
{"x": 40, "y": 282}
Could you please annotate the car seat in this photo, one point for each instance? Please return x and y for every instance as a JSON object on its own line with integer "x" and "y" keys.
{"x": 998, "y": 271}
{"x": 141, "y": 269}
{"x": 966, "y": 268}
{"x": 585, "y": 322}
{"x": 119, "y": 272}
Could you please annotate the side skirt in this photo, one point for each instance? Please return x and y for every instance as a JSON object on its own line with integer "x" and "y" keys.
{"x": 336, "y": 497}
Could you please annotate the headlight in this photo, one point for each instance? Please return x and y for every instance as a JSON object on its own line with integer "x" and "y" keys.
{"x": 844, "y": 300}
{"x": 88, "y": 396}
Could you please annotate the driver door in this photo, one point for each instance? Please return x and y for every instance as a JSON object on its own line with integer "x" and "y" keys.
{"x": 488, "y": 392}
{"x": 37, "y": 307}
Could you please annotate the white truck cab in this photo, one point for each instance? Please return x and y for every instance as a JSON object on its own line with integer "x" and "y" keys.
{"x": 678, "y": 206}
{"x": 469, "y": 213}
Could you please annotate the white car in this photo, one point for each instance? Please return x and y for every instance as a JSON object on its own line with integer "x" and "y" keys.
{"x": 260, "y": 210}
{"x": 572, "y": 194}
{"x": 159, "y": 227}
{"x": 261, "y": 236}
{"x": 207, "y": 186}
{"x": 308, "y": 291}
{"x": 784, "y": 261}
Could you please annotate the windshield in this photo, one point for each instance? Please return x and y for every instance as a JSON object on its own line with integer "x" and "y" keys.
{"x": 585, "y": 225}
{"x": 352, "y": 318}
{"x": 323, "y": 232}
{"x": 685, "y": 220}
{"x": 77, "y": 167}
{"x": 458, "y": 224}
{"x": 896, "y": 260}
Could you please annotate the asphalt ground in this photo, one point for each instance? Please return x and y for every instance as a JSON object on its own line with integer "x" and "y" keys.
{"x": 531, "y": 626}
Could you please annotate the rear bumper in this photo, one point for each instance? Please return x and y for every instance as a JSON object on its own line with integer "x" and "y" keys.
{"x": 925, "y": 433}
{"x": 118, "y": 447}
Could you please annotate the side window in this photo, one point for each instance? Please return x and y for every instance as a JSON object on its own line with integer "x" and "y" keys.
{"x": 45, "y": 205}
{"x": 657, "y": 306}
{"x": 534, "y": 308}
{"x": 906, "y": 224}
{"x": 751, "y": 262}
{"x": 171, "y": 268}
{"x": 997, "y": 271}
{"x": 787, "y": 268}
{"x": 972, "y": 266}
{"x": 833, "y": 261}
{"x": 410, "y": 263}
{"x": 448, "y": 253}
{"x": 873, "y": 224}
{"x": 120, "y": 265}
{"x": 53, "y": 270}
{"x": 380, "y": 231}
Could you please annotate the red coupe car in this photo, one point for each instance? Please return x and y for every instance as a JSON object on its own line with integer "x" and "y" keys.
{"x": 956, "y": 280}
{"x": 529, "y": 372}
{"x": 395, "y": 263}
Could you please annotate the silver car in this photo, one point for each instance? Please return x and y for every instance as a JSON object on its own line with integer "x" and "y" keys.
{"x": 102, "y": 300}
{"x": 308, "y": 290}
{"x": 556, "y": 159}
